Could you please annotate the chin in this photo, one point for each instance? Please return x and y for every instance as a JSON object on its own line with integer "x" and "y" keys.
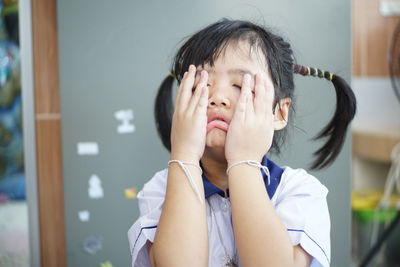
{"x": 216, "y": 138}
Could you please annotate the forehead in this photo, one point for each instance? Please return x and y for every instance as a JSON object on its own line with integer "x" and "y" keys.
{"x": 239, "y": 58}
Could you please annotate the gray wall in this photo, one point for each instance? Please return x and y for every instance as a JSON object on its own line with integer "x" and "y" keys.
{"x": 114, "y": 54}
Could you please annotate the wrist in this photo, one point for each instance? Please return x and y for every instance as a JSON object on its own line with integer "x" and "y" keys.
{"x": 241, "y": 164}
{"x": 240, "y": 159}
{"x": 246, "y": 164}
{"x": 184, "y": 157}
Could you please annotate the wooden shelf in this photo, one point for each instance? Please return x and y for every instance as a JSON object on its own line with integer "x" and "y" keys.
{"x": 375, "y": 145}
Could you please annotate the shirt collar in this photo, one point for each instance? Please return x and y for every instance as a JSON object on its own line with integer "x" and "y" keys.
{"x": 275, "y": 178}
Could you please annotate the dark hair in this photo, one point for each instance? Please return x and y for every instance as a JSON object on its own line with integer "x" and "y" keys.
{"x": 205, "y": 46}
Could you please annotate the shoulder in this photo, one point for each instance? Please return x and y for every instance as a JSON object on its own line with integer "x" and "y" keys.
{"x": 299, "y": 182}
{"x": 153, "y": 192}
{"x": 150, "y": 199}
{"x": 157, "y": 183}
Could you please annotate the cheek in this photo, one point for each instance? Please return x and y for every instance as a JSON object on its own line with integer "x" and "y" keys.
{"x": 235, "y": 98}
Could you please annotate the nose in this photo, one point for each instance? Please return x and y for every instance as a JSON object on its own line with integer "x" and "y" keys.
{"x": 218, "y": 98}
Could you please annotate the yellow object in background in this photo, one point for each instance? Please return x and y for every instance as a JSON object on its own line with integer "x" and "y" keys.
{"x": 368, "y": 199}
{"x": 130, "y": 193}
{"x": 364, "y": 204}
{"x": 106, "y": 264}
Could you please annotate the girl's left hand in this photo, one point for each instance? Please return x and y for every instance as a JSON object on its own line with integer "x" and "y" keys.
{"x": 251, "y": 129}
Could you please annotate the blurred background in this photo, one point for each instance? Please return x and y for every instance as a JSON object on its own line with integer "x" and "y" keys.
{"x": 376, "y": 133}
{"x": 80, "y": 78}
{"x": 14, "y": 244}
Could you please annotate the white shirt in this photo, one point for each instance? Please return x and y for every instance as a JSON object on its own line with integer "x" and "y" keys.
{"x": 298, "y": 197}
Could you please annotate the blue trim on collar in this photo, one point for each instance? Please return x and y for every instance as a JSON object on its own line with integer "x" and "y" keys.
{"x": 275, "y": 173}
{"x": 211, "y": 189}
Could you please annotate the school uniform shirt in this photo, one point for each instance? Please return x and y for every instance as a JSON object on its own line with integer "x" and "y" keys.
{"x": 299, "y": 200}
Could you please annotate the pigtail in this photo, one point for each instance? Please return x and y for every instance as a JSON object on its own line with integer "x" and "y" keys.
{"x": 163, "y": 110}
{"x": 335, "y": 130}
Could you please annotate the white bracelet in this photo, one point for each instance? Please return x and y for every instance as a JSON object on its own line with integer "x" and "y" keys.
{"x": 254, "y": 164}
{"x": 189, "y": 175}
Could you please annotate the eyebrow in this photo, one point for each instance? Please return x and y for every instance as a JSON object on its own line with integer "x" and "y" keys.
{"x": 240, "y": 72}
{"x": 236, "y": 71}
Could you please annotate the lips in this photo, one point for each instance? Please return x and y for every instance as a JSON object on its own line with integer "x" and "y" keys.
{"x": 217, "y": 121}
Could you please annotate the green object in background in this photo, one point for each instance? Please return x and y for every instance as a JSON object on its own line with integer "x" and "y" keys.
{"x": 382, "y": 216}
{"x": 9, "y": 7}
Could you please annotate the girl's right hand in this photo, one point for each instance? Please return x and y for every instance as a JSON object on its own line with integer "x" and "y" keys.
{"x": 189, "y": 121}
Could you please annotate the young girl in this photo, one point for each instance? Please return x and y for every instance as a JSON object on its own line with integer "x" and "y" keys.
{"x": 222, "y": 202}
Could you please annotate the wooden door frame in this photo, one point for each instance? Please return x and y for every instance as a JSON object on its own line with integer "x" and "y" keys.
{"x": 47, "y": 134}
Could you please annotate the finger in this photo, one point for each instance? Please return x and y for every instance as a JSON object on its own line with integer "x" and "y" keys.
{"x": 203, "y": 79}
{"x": 179, "y": 91}
{"x": 259, "y": 97}
{"x": 240, "y": 110}
{"x": 194, "y": 100}
{"x": 249, "y": 96}
{"x": 197, "y": 93}
{"x": 201, "y": 107}
{"x": 269, "y": 96}
{"x": 185, "y": 89}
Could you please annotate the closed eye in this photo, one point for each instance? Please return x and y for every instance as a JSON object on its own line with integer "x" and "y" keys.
{"x": 240, "y": 88}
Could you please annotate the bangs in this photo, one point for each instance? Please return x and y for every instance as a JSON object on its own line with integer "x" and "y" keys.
{"x": 207, "y": 45}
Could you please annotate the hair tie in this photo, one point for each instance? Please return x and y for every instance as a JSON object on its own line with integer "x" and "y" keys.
{"x": 303, "y": 70}
{"x": 171, "y": 74}
{"x": 254, "y": 164}
{"x": 189, "y": 175}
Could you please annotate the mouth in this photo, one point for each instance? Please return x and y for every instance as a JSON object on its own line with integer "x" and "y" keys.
{"x": 219, "y": 122}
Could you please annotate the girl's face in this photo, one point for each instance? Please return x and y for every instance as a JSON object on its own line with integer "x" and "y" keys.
{"x": 225, "y": 80}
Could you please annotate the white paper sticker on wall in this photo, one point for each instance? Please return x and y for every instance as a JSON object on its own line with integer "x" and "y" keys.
{"x": 84, "y": 215}
{"x": 125, "y": 117}
{"x": 95, "y": 190}
{"x": 88, "y": 148}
